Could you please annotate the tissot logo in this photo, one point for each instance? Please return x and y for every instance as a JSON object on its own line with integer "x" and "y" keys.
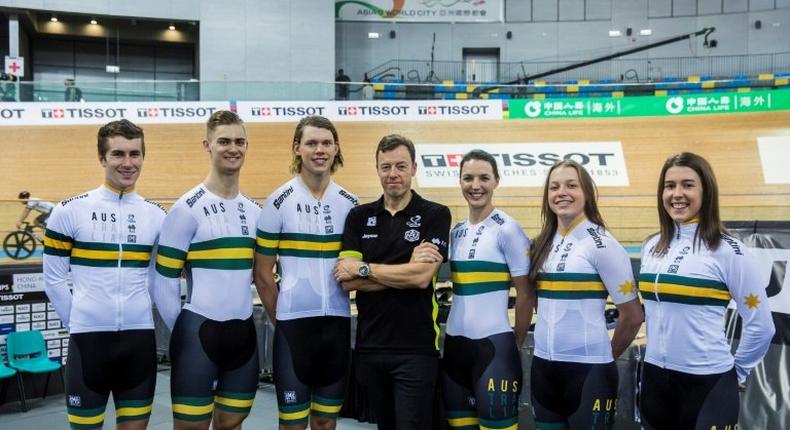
{"x": 150, "y": 112}
{"x": 523, "y": 159}
{"x": 175, "y": 112}
{"x": 60, "y": 113}
{"x": 287, "y": 110}
{"x": 372, "y": 110}
{"x": 56, "y": 113}
{"x": 427, "y": 110}
{"x": 452, "y": 110}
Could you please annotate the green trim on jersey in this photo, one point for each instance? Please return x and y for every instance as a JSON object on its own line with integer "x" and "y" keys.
{"x": 570, "y": 286}
{"x": 98, "y": 254}
{"x": 684, "y": 289}
{"x": 479, "y": 277}
{"x": 299, "y": 244}
{"x": 227, "y": 253}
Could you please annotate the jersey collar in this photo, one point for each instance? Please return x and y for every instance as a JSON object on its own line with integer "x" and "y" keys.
{"x": 410, "y": 209}
{"x": 688, "y": 228}
{"x": 565, "y": 232}
{"x": 111, "y": 192}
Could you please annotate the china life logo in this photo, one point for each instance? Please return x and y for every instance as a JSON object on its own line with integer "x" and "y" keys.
{"x": 675, "y": 105}
{"x": 532, "y": 109}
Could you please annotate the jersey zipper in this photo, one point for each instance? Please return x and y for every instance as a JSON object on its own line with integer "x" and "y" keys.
{"x": 662, "y": 340}
{"x": 322, "y": 268}
{"x": 118, "y": 299}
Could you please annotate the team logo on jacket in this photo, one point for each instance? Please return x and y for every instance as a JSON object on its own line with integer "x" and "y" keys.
{"x": 75, "y": 401}
{"x": 289, "y": 396}
{"x": 245, "y": 230}
{"x": 372, "y": 221}
{"x": 414, "y": 221}
{"x": 412, "y": 235}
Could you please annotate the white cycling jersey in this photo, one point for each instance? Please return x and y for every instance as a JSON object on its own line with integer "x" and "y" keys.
{"x": 686, "y": 292}
{"x": 305, "y": 234}
{"x": 39, "y": 205}
{"x": 106, "y": 239}
{"x": 483, "y": 258}
{"x": 585, "y": 265}
{"x": 211, "y": 240}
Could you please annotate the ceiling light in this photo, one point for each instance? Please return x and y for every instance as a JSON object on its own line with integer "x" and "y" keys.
{"x": 94, "y": 22}
{"x": 172, "y": 27}
{"x": 54, "y": 18}
{"x": 614, "y": 33}
{"x": 373, "y": 35}
{"x": 645, "y": 32}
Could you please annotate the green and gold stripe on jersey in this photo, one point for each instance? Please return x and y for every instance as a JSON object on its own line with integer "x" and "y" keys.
{"x": 228, "y": 253}
{"x": 170, "y": 261}
{"x": 97, "y": 254}
{"x": 479, "y": 277}
{"x": 684, "y": 289}
{"x": 570, "y": 286}
{"x": 298, "y": 244}
{"x": 57, "y": 244}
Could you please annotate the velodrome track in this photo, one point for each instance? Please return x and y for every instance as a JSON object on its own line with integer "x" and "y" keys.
{"x": 55, "y": 162}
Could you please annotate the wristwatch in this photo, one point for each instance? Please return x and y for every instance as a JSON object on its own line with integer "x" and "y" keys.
{"x": 364, "y": 270}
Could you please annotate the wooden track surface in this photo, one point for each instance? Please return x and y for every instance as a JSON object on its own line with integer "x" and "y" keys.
{"x": 57, "y": 162}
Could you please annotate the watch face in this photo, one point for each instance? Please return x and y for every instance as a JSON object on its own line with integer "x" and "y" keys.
{"x": 364, "y": 270}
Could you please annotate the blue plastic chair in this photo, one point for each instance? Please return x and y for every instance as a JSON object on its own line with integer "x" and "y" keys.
{"x": 27, "y": 353}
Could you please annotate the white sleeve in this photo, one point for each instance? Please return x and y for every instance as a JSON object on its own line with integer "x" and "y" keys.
{"x": 514, "y": 244}
{"x": 58, "y": 241}
{"x": 752, "y": 305}
{"x": 178, "y": 229}
{"x": 614, "y": 268}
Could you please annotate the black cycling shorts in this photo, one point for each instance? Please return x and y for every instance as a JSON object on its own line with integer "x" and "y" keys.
{"x": 481, "y": 381}
{"x": 575, "y": 396}
{"x": 119, "y": 362}
{"x": 311, "y": 365}
{"x": 214, "y": 363}
{"x": 669, "y": 399}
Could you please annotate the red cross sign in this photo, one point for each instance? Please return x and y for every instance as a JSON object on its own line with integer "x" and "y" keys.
{"x": 15, "y": 66}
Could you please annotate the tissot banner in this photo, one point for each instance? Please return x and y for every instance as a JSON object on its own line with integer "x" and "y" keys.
{"x": 75, "y": 113}
{"x": 419, "y": 10}
{"x": 523, "y": 164}
{"x": 393, "y": 110}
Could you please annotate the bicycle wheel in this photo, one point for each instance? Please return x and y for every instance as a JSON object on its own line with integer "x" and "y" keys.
{"x": 19, "y": 245}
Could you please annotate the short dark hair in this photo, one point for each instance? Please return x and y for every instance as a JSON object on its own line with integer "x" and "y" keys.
{"x": 124, "y": 128}
{"x": 24, "y": 195}
{"x": 391, "y": 142}
{"x": 317, "y": 122}
{"x": 479, "y": 154}
{"x": 222, "y": 117}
